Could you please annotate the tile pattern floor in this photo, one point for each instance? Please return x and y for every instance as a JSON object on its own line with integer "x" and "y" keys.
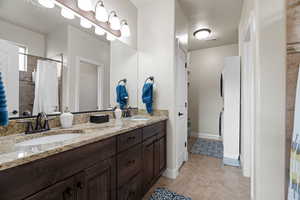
{"x": 205, "y": 178}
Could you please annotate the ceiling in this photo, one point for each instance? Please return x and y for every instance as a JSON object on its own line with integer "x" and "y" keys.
{"x": 221, "y": 16}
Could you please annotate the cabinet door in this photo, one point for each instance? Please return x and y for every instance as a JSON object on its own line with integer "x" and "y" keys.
{"x": 64, "y": 190}
{"x": 148, "y": 163}
{"x": 131, "y": 190}
{"x": 162, "y": 154}
{"x": 100, "y": 181}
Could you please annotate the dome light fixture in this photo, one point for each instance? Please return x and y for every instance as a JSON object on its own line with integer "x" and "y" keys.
{"x": 101, "y": 12}
{"x": 47, "y": 3}
{"x": 125, "y": 30}
{"x": 114, "y": 21}
{"x": 85, "y": 5}
{"x": 66, "y": 13}
{"x": 202, "y": 34}
{"x": 99, "y": 31}
{"x": 85, "y": 23}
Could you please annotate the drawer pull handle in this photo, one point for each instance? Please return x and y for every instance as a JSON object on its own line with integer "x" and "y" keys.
{"x": 80, "y": 185}
{"x": 131, "y": 138}
{"x": 130, "y": 162}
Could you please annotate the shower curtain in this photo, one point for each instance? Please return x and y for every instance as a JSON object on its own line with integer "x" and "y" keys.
{"x": 294, "y": 184}
{"x": 46, "y": 88}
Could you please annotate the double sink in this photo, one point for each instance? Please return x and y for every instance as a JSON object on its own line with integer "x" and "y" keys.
{"x": 57, "y": 138}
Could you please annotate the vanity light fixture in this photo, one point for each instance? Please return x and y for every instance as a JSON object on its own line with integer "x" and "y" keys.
{"x": 110, "y": 37}
{"x": 85, "y": 23}
{"x": 47, "y": 3}
{"x": 101, "y": 12}
{"x": 99, "y": 31}
{"x": 125, "y": 30}
{"x": 114, "y": 21}
{"x": 85, "y": 5}
{"x": 202, "y": 34}
{"x": 66, "y": 13}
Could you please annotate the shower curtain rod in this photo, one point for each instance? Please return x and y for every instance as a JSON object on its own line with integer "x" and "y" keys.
{"x": 39, "y": 57}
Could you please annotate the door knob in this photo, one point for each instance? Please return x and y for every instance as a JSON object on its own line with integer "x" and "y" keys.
{"x": 14, "y": 112}
{"x": 180, "y": 114}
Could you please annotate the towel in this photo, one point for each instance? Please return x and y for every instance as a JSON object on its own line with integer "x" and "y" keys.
{"x": 3, "y": 105}
{"x": 294, "y": 183}
{"x": 122, "y": 96}
{"x": 148, "y": 96}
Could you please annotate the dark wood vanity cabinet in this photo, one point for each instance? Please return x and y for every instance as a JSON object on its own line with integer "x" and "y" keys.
{"x": 123, "y": 167}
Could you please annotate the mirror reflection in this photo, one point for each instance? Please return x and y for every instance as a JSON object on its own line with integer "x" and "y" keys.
{"x": 49, "y": 63}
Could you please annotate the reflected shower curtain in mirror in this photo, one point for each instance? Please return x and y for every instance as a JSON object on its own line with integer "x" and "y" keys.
{"x": 46, "y": 88}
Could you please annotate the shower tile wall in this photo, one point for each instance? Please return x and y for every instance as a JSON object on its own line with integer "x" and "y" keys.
{"x": 27, "y": 86}
{"x": 293, "y": 61}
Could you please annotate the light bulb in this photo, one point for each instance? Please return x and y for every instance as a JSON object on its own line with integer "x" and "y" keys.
{"x": 101, "y": 12}
{"x": 85, "y": 23}
{"x": 110, "y": 37}
{"x": 125, "y": 30}
{"x": 99, "y": 31}
{"x": 66, "y": 13}
{"x": 114, "y": 21}
{"x": 47, "y": 3}
{"x": 85, "y": 5}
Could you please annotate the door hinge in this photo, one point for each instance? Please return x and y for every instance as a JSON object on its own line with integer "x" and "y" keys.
{"x": 185, "y": 144}
{"x": 186, "y": 104}
{"x": 185, "y": 65}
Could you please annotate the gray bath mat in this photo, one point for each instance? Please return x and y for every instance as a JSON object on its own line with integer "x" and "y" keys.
{"x": 164, "y": 194}
{"x": 207, "y": 147}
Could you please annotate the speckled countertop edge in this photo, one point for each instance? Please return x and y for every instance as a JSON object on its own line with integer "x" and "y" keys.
{"x": 89, "y": 133}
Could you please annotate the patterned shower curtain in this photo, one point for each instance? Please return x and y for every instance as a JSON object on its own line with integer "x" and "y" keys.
{"x": 294, "y": 185}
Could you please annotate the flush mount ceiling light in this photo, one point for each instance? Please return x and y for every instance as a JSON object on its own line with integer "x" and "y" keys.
{"x": 99, "y": 31}
{"x": 85, "y": 5}
{"x": 125, "y": 30}
{"x": 47, "y": 3}
{"x": 85, "y": 23}
{"x": 101, "y": 12}
{"x": 114, "y": 21}
{"x": 66, "y": 13}
{"x": 202, "y": 34}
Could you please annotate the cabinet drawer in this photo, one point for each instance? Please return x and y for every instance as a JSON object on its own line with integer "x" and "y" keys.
{"x": 152, "y": 130}
{"x": 129, "y": 164}
{"x": 130, "y": 139}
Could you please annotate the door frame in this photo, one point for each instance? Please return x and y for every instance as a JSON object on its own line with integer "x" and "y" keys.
{"x": 100, "y": 71}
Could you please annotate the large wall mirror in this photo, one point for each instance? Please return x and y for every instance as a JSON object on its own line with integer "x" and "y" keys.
{"x": 50, "y": 63}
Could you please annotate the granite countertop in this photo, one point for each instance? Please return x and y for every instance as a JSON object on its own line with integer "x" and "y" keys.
{"x": 13, "y": 154}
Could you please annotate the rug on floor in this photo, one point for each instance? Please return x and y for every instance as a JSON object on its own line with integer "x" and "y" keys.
{"x": 207, "y": 147}
{"x": 164, "y": 194}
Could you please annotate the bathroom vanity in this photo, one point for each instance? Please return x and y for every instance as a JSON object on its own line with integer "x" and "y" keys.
{"x": 106, "y": 162}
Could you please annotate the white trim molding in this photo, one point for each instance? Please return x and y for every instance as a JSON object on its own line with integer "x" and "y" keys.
{"x": 207, "y": 136}
{"x": 171, "y": 173}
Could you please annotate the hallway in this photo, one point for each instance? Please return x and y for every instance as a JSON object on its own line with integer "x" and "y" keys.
{"x": 205, "y": 178}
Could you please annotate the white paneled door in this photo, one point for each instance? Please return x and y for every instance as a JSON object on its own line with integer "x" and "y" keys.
{"x": 181, "y": 106}
{"x": 10, "y": 75}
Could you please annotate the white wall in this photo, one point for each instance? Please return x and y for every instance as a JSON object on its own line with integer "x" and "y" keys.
{"x": 181, "y": 26}
{"x": 35, "y": 42}
{"x": 270, "y": 84}
{"x": 156, "y": 33}
{"x": 86, "y": 46}
{"x": 57, "y": 42}
{"x": 124, "y": 64}
{"x": 205, "y": 103}
{"x": 125, "y": 10}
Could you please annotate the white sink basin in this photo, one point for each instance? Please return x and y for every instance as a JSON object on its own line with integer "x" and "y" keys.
{"x": 139, "y": 118}
{"x": 47, "y": 139}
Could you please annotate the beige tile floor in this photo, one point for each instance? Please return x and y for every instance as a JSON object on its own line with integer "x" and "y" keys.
{"x": 205, "y": 178}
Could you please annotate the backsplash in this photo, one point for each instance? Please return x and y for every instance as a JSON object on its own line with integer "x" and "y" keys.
{"x": 18, "y": 126}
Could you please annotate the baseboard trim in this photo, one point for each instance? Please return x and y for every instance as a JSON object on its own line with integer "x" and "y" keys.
{"x": 206, "y": 136}
{"x": 171, "y": 173}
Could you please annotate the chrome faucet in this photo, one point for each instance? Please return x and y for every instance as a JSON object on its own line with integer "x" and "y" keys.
{"x": 41, "y": 124}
